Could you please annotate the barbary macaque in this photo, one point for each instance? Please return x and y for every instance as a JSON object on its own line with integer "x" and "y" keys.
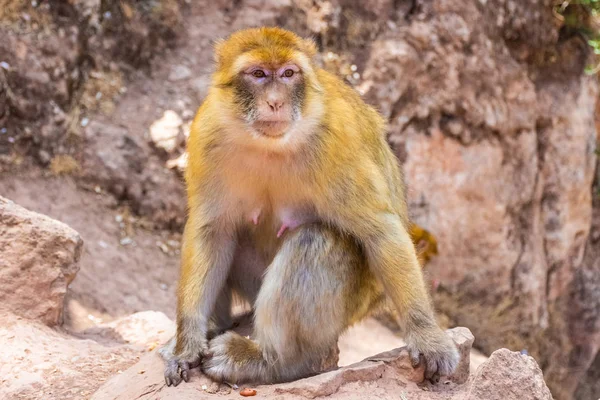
{"x": 297, "y": 206}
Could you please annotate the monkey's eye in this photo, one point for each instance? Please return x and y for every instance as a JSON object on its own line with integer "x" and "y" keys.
{"x": 259, "y": 73}
{"x": 288, "y": 73}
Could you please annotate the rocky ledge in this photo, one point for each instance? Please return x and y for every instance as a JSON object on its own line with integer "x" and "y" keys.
{"x": 505, "y": 375}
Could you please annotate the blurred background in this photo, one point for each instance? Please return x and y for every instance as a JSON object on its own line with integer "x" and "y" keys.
{"x": 491, "y": 107}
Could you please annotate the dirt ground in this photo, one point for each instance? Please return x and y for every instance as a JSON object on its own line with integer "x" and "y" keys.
{"x": 126, "y": 268}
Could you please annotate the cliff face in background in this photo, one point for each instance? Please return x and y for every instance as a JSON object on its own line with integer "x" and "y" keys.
{"x": 490, "y": 113}
{"x": 492, "y": 116}
{"x": 494, "y": 123}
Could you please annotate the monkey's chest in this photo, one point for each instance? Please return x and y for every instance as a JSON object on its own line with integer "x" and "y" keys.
{"x": 277, "y": 222}
{"x": 262, "y": 235}
{"x": 269, "y": 202}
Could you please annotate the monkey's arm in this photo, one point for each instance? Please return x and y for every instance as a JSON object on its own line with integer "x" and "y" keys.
{"x": 392, "y": 258}
{"x": 375, "y": 219}
{"x": 207, "y": 253}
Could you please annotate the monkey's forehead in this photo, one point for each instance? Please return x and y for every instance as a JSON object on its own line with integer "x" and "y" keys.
{"x": 262, "y": 45}
{"x": 272, "y": 58}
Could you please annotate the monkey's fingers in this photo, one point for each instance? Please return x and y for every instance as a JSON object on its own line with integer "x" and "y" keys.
{"x": 415, "y": 357}
{"x": 184, "y": 370}
{"x": 431, "y": 369}
{"x": 172, "y": 376}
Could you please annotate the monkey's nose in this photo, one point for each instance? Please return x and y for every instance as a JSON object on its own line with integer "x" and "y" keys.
{"x": 275, "y": 104}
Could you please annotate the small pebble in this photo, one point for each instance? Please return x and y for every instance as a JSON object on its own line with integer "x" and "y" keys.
{"x": 5, "y": 65}
{"x": 247, "y": 392}
{"x": 213, "y": 388}
{"x": 85, "y": 121}
{"x": 126, "y": 241}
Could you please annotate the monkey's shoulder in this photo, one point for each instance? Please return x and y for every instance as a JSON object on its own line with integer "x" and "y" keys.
{"x": 347, "y": 110}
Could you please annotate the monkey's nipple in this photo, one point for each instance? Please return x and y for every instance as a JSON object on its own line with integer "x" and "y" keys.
{"x": 291, "y": 223}
{"x": 254, "y": 215}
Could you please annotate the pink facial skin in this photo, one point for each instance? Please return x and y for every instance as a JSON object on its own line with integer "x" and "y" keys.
{"x": 268, "y": 72}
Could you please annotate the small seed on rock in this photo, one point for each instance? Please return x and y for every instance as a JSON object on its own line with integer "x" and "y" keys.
{"x": 246, "y": 392}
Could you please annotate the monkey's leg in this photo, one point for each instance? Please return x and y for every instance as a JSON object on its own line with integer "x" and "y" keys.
{"x": 302, "y": 308}
{"x": 207, "y": 253}
{"x": 221, "y": 319}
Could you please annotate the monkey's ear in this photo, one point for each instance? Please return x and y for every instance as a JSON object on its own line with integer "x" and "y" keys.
{"x": 309, "y": 47}
{"x": 218, "y": 54}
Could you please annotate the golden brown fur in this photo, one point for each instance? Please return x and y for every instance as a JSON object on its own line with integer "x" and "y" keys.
{"x": 330, "y": 176}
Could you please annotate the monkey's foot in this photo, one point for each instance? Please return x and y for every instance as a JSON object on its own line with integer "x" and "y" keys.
{"x": 234, "y": 359}
{"x": 177, "y": 370}
{"x": 440, "y": 357}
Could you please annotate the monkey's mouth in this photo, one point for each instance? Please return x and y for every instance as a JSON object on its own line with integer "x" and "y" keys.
{"x": 271, "y": 128}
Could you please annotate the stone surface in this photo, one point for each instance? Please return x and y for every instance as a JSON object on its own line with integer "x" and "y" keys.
{"x": 464, "y": 341}
{"x": 509, "y": 375}
{"x": 387, "y": 375}
{"x": 38, "y": 260}
{"x": 146, "y": 328}
{"x": 179, "y": 72}
{"x": 165, "y": 131}
{"x": 124, "y": 165}
{"x": 37, "y": 362}
{"x": 498, "y": 155}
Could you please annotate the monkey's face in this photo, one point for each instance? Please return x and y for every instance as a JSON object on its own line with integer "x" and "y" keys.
{"x": 270, "y": 97}
{"x": 268, "y": 89}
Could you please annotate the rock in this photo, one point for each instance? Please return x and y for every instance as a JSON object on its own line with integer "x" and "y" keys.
{"x": 40, "y": 363}
{"x": 147, "y": 329}
{"x": 585, "y": 300}
{"x": 498, "y": 156}
{"x": 126, "y": 166}
{"x": 39, "y": 261}
{"x": 387, "y": 375}
{"x": 354, "y": 348}
{"x": 464, "y": 341}
{"x": 165, "y": 131}
{"x": 509, "y": 375}
{"x": 179, "y": 73}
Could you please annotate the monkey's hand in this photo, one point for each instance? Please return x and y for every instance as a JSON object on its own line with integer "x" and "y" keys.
{"x": 177, "y": 367}
{"x": 436, "y": 350}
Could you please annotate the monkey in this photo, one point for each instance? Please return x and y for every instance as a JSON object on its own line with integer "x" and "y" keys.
{"x": 297, "y": 206}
